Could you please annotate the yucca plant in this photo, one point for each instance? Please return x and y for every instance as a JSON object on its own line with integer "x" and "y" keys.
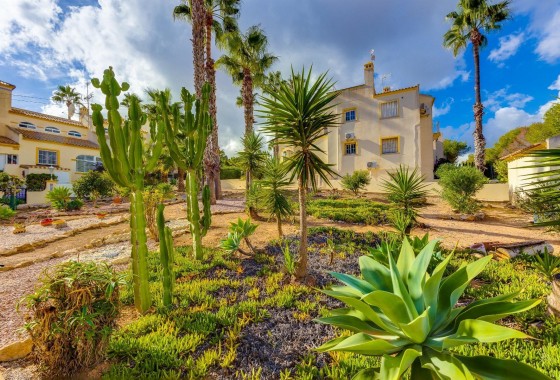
{"x": 406, "y": 189}
{"x": 547, "y": 264}
{"x": 275, "y": 198}
{"x": 409, "y": 317}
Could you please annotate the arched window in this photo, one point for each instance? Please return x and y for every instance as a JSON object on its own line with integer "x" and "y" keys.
{"x": 26, "y": 124}
{"x": 74, "y": 134}
{"x": 86, "y": 163}
{"x": 52, "y": 130}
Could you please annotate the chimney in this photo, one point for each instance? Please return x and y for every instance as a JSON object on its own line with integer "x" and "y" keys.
{"x": 85, "y": 118}
{"x": 5, "y": 97}
{"x": 368, "y": 74}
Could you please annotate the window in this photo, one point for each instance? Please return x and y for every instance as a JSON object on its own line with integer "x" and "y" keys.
{"x": 12, "y": 159}
{"x": 74, "y": 134}
{"x": 350, "y": 148}
{"x": 26, "y": 124}
{"x": 47, "y": 157}
{"x": 350, "y": 115}
{"x": 86, "y": 163}
{"x": 390, "y": 109}
{"x": 52, "y": 130}
{"x": 390, "y": 145}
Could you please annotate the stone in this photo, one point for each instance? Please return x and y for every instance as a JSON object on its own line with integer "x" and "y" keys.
{"x": 553, "y": 299}
{"x": 15, "y": 351}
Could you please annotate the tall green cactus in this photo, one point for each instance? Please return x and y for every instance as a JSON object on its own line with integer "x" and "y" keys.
{"x": 127, "y": 163}
{"x": 186, "y": 135}
{"x": 166, "y": 257}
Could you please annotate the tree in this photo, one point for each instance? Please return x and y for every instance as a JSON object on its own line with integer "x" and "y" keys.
{"x": 275, "y": 199}
{"x": 68, "y": 96}
{"x": 220, "y": 18}
{"x": 453, "y": 149}
{"x": 252, "y": 159}
{"x": 298, "y": 116}
{"x": 356, "y": 181}
{"x": 469, "y": 22}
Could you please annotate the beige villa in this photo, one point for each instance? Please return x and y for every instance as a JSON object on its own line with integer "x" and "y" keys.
{"x": 380, "y": 131}
{"x": 32, "y": 142}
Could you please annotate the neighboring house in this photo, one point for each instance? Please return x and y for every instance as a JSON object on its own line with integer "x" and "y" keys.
{"x": 32, "y": 142}
{"x": 521, "y": 167}
{"x": 380, "y": 131}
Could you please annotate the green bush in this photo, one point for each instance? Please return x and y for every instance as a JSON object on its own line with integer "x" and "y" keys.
{"x": 230, "y": 172}
{"x": 93, "y": 185}
{"x": 38, "y": 182}
{"x": 74, "y": 204}
{"x": 6, "y": 213}
{"x": 71, "y": 316}
{"x": 356, "y": 181}
{"x": 60, "y": 199}
{"x": 460, "y": 184}
{"x": 349, "y": 210}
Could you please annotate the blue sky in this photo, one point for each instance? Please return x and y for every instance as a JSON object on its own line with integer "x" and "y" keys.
{"x": 50, "y": 42}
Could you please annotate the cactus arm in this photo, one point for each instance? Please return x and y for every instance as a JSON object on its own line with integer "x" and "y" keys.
{"x": 194, "y": 214}
{"x": 156, "y": 150}
{"x": 144, "y": 300}
{"x": 166, "y": 256}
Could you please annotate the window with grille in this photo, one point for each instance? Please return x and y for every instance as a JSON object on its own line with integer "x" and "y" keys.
{"x": 390, "y": 145}
{"x": 52, "y": 130}
{"x": 350, "y": 115}
{"x": 47, "y": 157}
{"x": 86, "y": 163}
{"x": 390, "y": 109}
{"x": 74, "y": 134}
{"x": 12, "y": 159}
{"x": 26, "y": 124}
{"x": 350, "y": 148}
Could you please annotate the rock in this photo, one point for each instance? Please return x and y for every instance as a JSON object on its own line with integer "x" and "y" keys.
{"x": 553, "y": 299}
{"x": 15, "y": 351}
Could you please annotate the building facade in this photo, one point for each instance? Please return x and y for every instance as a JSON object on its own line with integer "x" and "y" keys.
{"x": 32, "y": 142}
{"x": 380, "y": 131}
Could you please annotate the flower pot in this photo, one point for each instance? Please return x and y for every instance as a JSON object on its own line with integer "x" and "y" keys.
{"x": 58, "y": 224}
{"x": 101, "y": 216}
{"x": 47, "y": 222}
{"x": 19, "y": 229}
{"x": 117, "y": 199}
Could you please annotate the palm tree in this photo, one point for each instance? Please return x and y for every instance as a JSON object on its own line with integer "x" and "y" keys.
{"x": 247, "y": 63}
{"x": 220, "y": 17}
{"x": 297, "y": 115}
{"x": 472, "y": 18}
{"x": 275, "y": 198}
{"x": 68, "y": 96}
{"x": 252, "y": 159}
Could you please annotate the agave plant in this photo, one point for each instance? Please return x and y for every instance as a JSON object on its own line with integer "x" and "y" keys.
{"x": 409, "y": 317}
{"x": 239, "y": 231}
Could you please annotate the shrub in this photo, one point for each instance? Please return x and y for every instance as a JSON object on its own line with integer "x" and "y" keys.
{"x": 9, "y": 184}
{"x": 356, "y": 181}
{"x": 59, "y": 197}
{"x": 71, "y": 316}
{"x": 6, "y": 213}
{"x": 38, "y": 182}
{"x": 408, "y": 317}
{"x": 230, "y": 172}
{"x": 349, "y": 210}
{"x": 407, "y": 191}
{"x": 74, "y": 204}
{"x": 460, "y": 184}
{"x": 93, "y": 185}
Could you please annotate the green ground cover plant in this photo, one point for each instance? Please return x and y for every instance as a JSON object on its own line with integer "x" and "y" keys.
{"x": 350, "y": 210}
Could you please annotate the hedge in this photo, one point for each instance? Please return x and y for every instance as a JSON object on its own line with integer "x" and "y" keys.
{"x": 38, "y": 182}
{"x": 230, "y": 172}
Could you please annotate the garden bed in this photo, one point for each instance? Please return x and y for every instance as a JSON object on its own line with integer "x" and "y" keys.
{"x": 362, "y": 211}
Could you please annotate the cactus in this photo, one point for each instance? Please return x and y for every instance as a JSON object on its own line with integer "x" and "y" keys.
{"x": 186, "y": 135}
{"x": 126, "y": 162}
{"x": 166, "y": 257}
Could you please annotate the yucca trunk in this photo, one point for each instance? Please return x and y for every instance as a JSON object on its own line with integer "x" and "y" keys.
{"x": 142, "y": 298}
{"x": 478, "y": 108}
{"x": 301, "y": 269}
{"x": 198, "y": 21}
{"x": 194, "y": 213}
{"x": 279, "y": 225}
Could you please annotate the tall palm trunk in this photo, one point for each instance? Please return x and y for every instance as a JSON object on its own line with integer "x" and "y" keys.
{"x": 210, "y": 164}
{"x": 248, "y": 100}
{"x": 198, "y": 21}
{"x": 301, "y": 270}
{"x": 478, "y": 108}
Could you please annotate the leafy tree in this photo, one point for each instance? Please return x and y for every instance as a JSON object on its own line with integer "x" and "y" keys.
{"x": 356, "y": 181}
{"x": 68, "y": 96}
{"x": 471, "y": 19}
{"x": 93, "y": 185}
{"x": 252, "y": 160}
{"x": 452, "y": 149}
{"x": 297, "y": 116}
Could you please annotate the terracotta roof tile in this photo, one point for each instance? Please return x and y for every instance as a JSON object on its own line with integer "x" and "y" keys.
{"x": 6, "y": 84}
{"x": 43, "y": 116}
{"x": 5, "y": 140}
{"x": 40, "y": 136}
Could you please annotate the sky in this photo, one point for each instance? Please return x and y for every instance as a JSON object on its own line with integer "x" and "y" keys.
{"x": 46, "y": 43}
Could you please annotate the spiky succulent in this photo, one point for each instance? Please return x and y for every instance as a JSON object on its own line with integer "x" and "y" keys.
{"x": 409, "y": 317}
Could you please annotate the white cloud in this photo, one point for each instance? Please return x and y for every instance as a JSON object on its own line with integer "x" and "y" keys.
{"x": 508, "y": 47}
{"x": 549, "y": 46}
{"x": 444, "y": 109}
{"x": 501, "y": 98}
{"x": 555, "y": 85}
